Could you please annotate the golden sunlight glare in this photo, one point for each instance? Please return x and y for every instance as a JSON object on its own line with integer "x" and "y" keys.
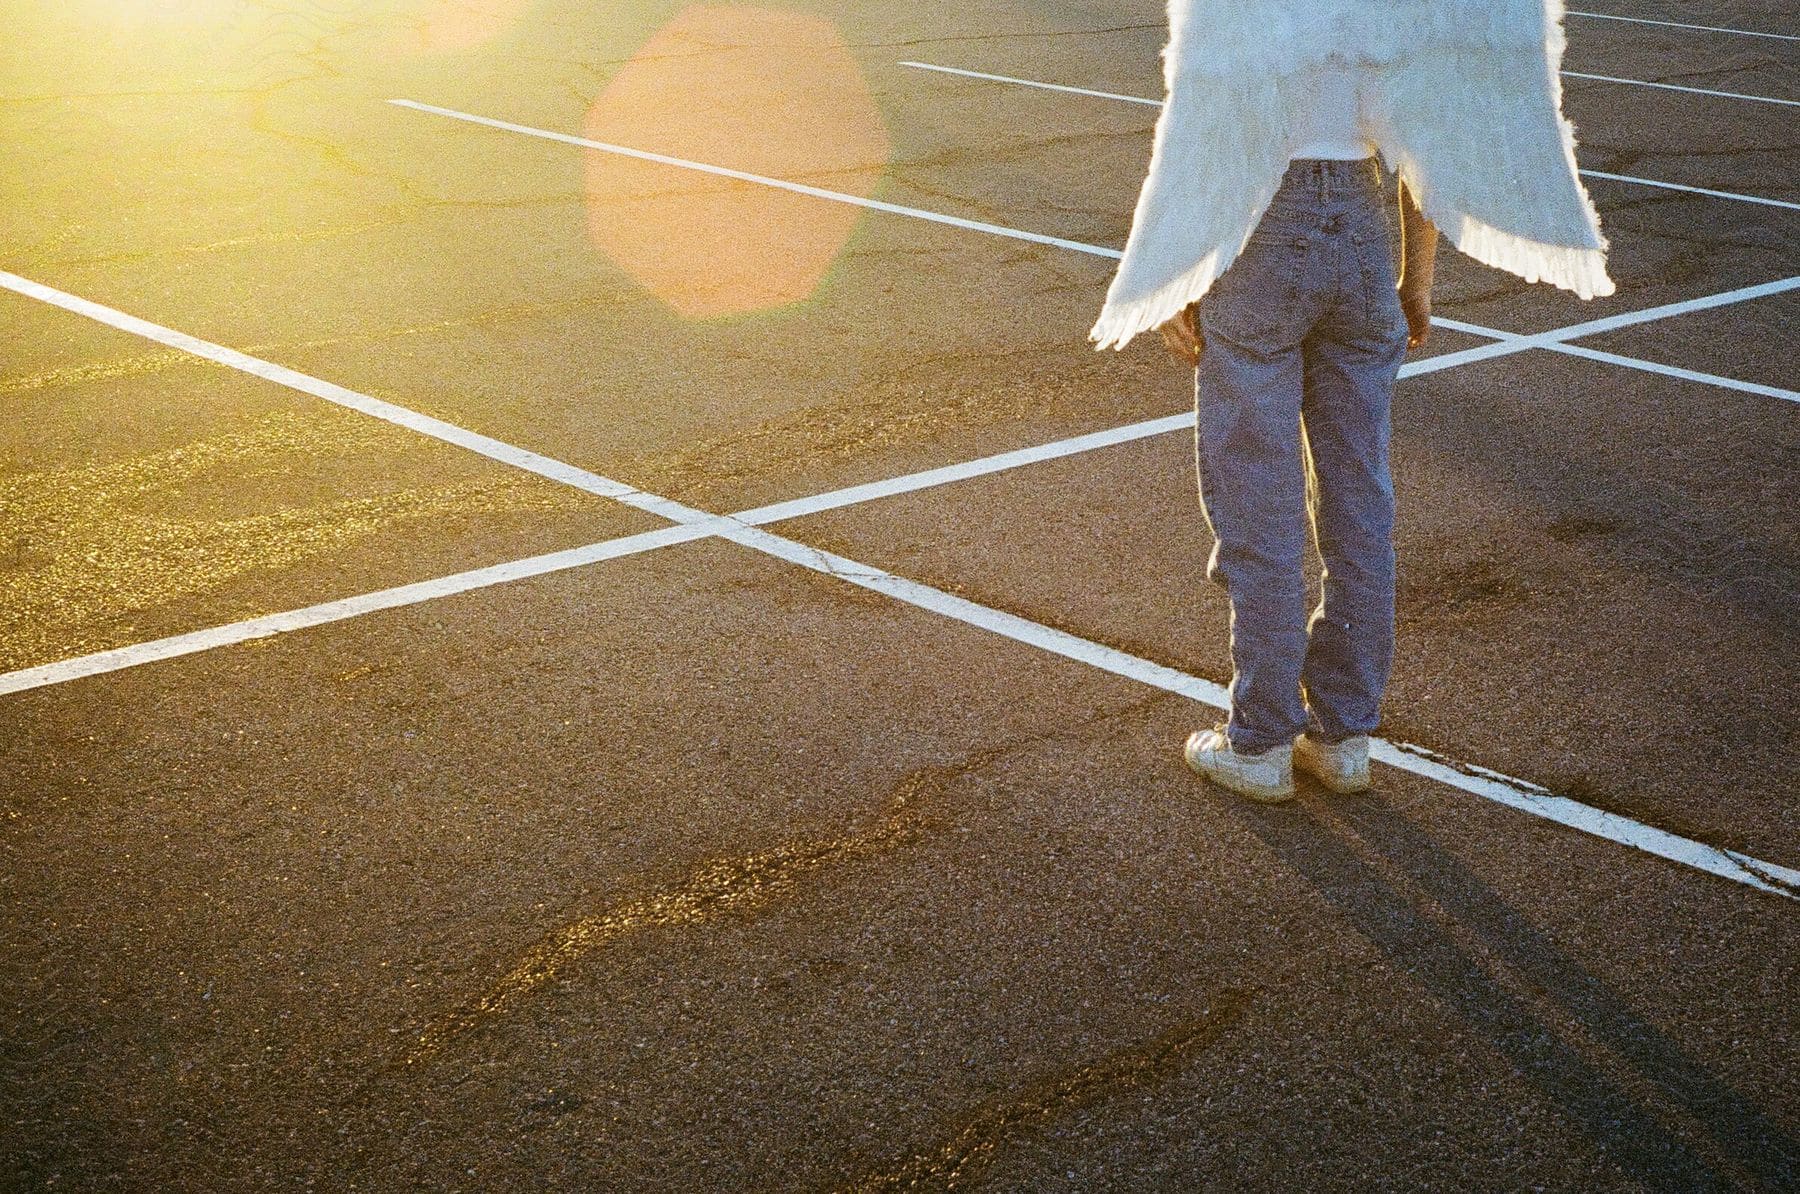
{"x": 762, "y": 90}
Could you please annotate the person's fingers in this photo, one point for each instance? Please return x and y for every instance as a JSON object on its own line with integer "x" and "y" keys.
{"x": 1418, "y": 320}
{"x": 1182, "y": 352}
{"x": 1176, "y": 344}
{"x": 1181, "y": 336}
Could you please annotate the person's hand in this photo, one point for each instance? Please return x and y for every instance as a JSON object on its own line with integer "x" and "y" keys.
{"x": 1418, "y": 263}
{"x": 1416, "y": 303}
{"x": 1181, "y": 336}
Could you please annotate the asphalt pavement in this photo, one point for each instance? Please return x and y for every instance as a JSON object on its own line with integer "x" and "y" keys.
{"x": 704, "y": 860}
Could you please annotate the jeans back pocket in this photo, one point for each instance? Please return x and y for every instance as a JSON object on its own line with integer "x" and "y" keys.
{"x": 1256, "y": 303}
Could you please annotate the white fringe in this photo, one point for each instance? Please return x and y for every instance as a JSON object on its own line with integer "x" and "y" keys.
{"x": 1580, "y": 270}
{"x": 1120, "y": 322}
{"x": 1467, "y": 108}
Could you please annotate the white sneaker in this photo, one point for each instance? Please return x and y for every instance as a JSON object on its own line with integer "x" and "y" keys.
{"x": 1268, "y": 777}
{"x": 1341, "y": 766}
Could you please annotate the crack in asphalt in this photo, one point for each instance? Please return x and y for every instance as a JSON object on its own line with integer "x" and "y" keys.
{"x": 735, "y": 885}
{"x": 1761, "y": 871}
{"x": 717, "y": 888}
{"x": 957, "y": 1159}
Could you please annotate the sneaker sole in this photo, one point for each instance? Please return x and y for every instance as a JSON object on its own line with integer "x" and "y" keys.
{"x": 1307, "y": 762}
{"x": 1342, "y": 785}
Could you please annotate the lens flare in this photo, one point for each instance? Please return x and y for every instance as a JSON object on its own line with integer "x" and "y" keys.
{"x": 754, "y": 89}
{"x": 451, "y": 26}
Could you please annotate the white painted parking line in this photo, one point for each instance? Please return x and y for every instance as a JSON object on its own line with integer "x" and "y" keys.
{"x": 1711, "y": 379}
{"x": 1489, "y": 785}
{"x": 1736, "y": 95}
{"x": 270, "y": 625}
{"x": 1001, "y": 462}
{"x": 1040, "y": 85}
{"x": 1154, "y": 103}
{"x": 1607, "y": 16}
{"x": 193, "y": 642}
{"x": 1506, "y": 342}
{"x": 783, "y": 184}
{"x": 1558, "y": 340}
{"x": 1705, "y": 302}
{"x": 1678, "y": 186}
{"x": 1541, "y": 802}
{"x": 400, "y": 416}
{"x": 929, "y": 478}
{"x": 1625, "y": 319}
{"x": 174, "y": 646}
{"x": 693, "y": 523}
{"x": 1476, "y": 781}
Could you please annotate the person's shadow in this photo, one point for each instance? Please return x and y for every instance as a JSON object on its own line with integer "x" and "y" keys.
{"x": 1397, "y": 921}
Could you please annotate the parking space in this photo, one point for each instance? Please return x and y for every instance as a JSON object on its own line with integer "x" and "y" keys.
{"x": 546, "y": 845}
{"x": 149, "y": 502}
{"x": 1600, "y": 630}
{"x": 1732, "y": 341}
{"x": 764, "y": 945}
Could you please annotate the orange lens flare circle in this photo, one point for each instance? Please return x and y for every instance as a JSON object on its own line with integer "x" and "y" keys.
{"x": 452, "y": 26}
{"x": 754, "y": 89}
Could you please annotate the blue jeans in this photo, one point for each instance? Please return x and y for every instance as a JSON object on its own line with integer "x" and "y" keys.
{"x": 1304, "y": 339}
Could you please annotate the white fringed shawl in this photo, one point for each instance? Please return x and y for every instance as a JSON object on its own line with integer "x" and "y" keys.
{"x": 1464, "y": 96}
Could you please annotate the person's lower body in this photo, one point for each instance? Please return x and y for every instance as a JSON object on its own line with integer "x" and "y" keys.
{"x": 1304, "y": 339}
